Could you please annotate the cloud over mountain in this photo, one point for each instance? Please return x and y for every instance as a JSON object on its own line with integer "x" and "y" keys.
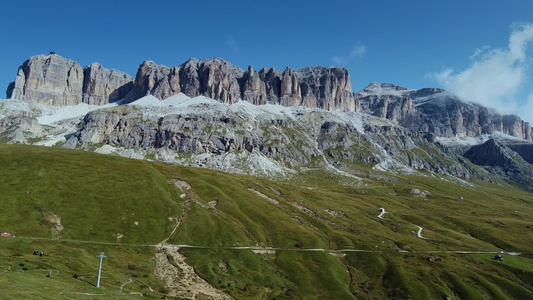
{"x": 357, "y": 52}
{"x": 495, "y": 76}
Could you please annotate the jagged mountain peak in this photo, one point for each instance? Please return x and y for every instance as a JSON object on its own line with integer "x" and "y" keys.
{"x": 63, "y": 82}
{"x": 319, "y": 70}
{"x": 49, "y": 58}
{"x": 195, "y": 62}
{"x": 379, "y": 89}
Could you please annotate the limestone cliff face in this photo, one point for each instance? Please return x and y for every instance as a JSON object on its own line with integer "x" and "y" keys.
{"x": 254, "y": 88}
{"x": 294, "y": 140}
{"x": 102, "y": 86}
{"x": 196, "y": 133}
{"x": 326, "y": 88}
{"x": 49, "y": 79}
{"x": 157, "y": 80}
{"x": 446, "y": 115}
{"x": 55, "y": 80}
{"x": 438, "y": 112}
{"x": 317, "y": 87}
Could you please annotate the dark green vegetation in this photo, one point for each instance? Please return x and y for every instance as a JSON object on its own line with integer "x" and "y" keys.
{"x": 74, "y": 205}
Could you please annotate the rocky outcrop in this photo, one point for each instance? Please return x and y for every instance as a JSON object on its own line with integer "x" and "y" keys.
{"x": 192, "y": 133}
{"x": 390, "y": 102}
{"x": 501, "y": 160}
{"x": 254, "y": 87}
{"x": 438, "y": 112}
{"x": 524, "y": 150}
{"x": 55, "y": 80}
{"x": 102, "y": 86}
{"x": 318, "y": 87}
{"x": 489, "y": 153}
{"x": 48, "y": 79}
{"x": 446, "y": 115}
{"x": 18, "y": 123}
{"x": 294, "y": 140}
{"x": 326, "y": 88}
{"x": 157, "y": 80}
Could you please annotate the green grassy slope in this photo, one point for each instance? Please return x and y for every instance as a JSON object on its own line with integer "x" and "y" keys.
{"x": 124, "y": 207}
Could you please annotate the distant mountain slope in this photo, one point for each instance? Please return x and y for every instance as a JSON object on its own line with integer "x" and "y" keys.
{"x": 52, "y": 79}
{"x": 268, "y": 123}
{"x": 267, "y": 140}
{"x": 438, "y": 112}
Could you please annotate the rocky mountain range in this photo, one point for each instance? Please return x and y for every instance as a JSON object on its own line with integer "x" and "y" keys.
{"x": 213, "y": 114}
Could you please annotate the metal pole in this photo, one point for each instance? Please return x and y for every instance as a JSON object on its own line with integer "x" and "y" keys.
{"x": 100, "y": 268}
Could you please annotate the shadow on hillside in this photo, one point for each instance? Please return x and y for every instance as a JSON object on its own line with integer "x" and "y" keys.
{"x": 81, "y": 278}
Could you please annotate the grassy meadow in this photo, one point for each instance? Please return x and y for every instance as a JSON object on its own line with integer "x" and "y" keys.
{"x": 73, "y": 205}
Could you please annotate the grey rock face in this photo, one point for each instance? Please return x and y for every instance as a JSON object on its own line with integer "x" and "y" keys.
{"x": 254, "y": 88}
{"x": 501, "y": 160}
{"x": 524, "y": 150}
{"x": 218, "y": 135}
{"x": 445, "y": 115}
{"x": 438, "y": 112}
{"x": 318, "y": 87}
{"x": 157, "y": 80}
{"x": 272, "y": 79}
{"x": 55, "y": 80}
{"x": 19, "y": 126}
{"x": 326, "y": 88}
{"x": 295, "y": 140}
{"x": 48, "y": 79}
{"x": 102, "y": 86}
{"x": 193, "y": 133}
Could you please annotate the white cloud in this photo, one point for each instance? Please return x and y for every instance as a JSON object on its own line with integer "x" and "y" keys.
{"x": 357, "y": 52}
{"x": 495, "y": 76}
{"x": 479, "y": 51}
{"x": 232, "y": 43}
{"x": 527, "y": 110}
{"x": 339, "y": 60}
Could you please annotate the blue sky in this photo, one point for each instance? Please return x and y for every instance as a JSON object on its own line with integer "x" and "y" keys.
{"x": 462, "y": 46}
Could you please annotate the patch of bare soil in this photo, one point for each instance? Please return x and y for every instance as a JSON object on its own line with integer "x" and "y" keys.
{"x": 180, "y": 278}
{"x": 420, "y": 193}
{"x": 55, "y": 221}
{"x": 258, "y": 193}
{"x": 299, "y": 220}
{"x": 496, "y": 223}
{"x": 182, "y": 185}
{"x": 275, "y": 191}
{"x": 223, "y": 266}
{"x": 334, "y": 213}
{"x": 209, "y": 205}
{"x": 303, "y": 208}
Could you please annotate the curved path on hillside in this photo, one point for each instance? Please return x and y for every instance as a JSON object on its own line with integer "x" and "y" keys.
{"x": 418, "y": 233}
